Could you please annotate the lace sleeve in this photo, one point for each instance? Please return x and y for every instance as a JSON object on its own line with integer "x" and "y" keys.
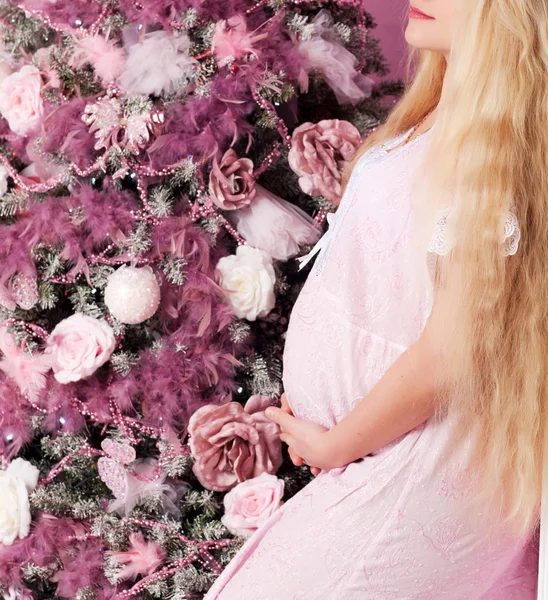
{"x": 512, "y": 235}
{"x": 441, "y": 241}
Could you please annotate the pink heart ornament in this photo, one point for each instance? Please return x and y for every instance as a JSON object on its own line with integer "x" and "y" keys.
{"x": 122, "y": 452}
{"x": 113, "y": 474}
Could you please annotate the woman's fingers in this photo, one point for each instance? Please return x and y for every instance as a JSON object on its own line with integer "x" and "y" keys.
{"x": 288, "y": 424}
{"x": 285, "y": 421}
{"x": 285, "y": 404}
{"x": 295, "y": 458}
{"x": 288, "y": 439}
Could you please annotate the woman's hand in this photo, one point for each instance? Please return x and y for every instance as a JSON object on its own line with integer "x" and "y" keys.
{"x": 295, "y": 458}
{"x": 307, "y": 441}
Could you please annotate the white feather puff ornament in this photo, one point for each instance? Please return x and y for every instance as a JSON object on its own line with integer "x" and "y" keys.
{"x": 159, "y": 64}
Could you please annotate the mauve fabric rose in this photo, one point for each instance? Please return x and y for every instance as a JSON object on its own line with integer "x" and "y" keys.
{"x": 20, "y": 101}
{"x": 231, "y": 444}
{"x": 319, "y": 153}
{"x": 79, "y": 345}
{"x": 231, "y": 183}
{"x": 251, "y": 503}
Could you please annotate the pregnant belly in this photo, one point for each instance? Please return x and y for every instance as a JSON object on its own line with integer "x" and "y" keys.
{"x": 329, "y": 367}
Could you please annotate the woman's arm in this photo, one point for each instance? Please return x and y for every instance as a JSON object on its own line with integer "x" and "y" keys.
{"x": 405, "y": 397}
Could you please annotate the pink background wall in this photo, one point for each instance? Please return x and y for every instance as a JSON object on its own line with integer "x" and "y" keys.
{"x": 391, "y": 17}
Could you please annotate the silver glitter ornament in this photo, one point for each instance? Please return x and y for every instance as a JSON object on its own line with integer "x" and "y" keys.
{"x": 25, "y": 291}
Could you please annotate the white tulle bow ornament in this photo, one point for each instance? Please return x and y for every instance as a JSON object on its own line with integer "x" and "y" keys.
{"x": 159, "y": 63}
{"x": 132, "y": 294}
{"x": 274, "y": 225}
{"x": 337, "y": 66}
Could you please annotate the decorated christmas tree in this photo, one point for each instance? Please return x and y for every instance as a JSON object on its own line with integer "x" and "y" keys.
{"x": 163, "y": 163}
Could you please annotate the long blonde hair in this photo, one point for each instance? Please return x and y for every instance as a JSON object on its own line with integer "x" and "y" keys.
{"x": 489, "y": 146}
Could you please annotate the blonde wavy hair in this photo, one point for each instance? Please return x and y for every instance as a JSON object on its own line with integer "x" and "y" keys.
{"x": 489, "y": 147}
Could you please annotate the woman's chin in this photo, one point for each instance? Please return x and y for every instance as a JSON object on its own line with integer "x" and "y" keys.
{"x": 418, "y": 36}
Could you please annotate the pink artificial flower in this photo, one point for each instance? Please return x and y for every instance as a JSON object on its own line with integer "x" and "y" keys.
{"x": 28, "y": 371}
{"x": 231, "y": 444}
{"x": 79, "y": 345}
{"x": 20, "y": 101}
{"x": 141, "y": 558}
{"x": 319, "y": 153}
{"x": 231, "y": 40}
{"x": 251, "y": 503}
{"x": 231, "y": 183}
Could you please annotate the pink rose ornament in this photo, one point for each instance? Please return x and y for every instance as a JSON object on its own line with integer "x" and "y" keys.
{"x": 79, "y": 345}
{"x": 251, "y": 503}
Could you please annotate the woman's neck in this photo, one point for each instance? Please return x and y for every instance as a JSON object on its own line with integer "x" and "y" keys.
{"x": 427, "y": 123}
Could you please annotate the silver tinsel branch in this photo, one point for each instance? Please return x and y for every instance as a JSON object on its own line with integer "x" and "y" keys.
{"x": 174, "y": 270}
{"x": 86, "y": 593}
{"x": 264, "y": 376}
{"x": 239, "y": 331}
{"x": 122, "y": 362}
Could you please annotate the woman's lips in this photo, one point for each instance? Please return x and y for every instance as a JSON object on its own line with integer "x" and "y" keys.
{"x": 415, "y": 13}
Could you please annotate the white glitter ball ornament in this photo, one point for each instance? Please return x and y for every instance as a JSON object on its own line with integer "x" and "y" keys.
{"x": 132, "y": 294}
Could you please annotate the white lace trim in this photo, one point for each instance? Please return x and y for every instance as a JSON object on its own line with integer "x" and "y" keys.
{"x": 441, "y": 241}
{"x": 334, "y": 220}
{"x": 512, "y": 235}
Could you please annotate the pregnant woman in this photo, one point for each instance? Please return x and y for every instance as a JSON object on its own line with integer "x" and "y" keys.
{"x": 416, "y": 357}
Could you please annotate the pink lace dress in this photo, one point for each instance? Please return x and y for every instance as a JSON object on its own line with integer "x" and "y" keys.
{"x": 396, "y": 525}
